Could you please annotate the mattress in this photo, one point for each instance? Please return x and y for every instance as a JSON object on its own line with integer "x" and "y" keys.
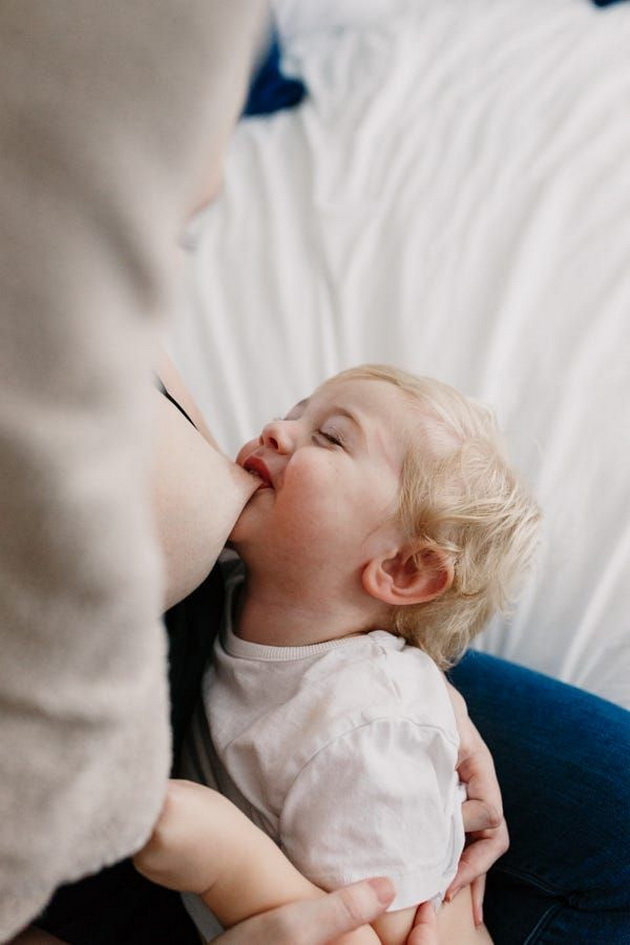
{"x": 453, "y": 197}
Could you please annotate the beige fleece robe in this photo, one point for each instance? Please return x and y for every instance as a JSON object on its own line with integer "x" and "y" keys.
{"x": 112, "y": 116}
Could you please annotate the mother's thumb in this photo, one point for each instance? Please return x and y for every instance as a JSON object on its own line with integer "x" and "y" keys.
{"x": 362, "y": 902}
{"x": 424, "y": 931}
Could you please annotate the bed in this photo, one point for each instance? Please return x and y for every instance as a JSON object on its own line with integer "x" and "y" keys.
{"x": 452, "y": 196}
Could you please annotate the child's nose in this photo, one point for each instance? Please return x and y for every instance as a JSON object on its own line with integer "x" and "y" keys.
{"x": 276, "y": 435}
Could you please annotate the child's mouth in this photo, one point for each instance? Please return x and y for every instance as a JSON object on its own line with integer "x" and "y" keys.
{"x": 256, "y": 466}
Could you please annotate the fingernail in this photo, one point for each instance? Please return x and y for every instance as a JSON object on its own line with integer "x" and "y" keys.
{"x": 479, "y": 921}
{"x": 384, "y": 889}
{"x": 452, "y": 893}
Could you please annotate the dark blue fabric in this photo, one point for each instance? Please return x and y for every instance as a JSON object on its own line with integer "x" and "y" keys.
{"x": 562, "y": 758}
{"x": 605, "y": 3}
{"x": 270, "y": 91}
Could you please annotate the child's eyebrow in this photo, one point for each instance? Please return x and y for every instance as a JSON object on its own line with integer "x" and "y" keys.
{"x": 354, "y": 418}
{"x": 297, "y": 409}
{"x": 301, "y": 405}
{"x": 344, "y": 412}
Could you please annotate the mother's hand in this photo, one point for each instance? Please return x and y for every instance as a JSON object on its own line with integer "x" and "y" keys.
{"x": 484, "y": 823}
{"x": 425, "y": 931}
{"x": 317, "y": 921}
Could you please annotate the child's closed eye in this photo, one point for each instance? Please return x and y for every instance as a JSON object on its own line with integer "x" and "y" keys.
{"x": 331, "y": 436}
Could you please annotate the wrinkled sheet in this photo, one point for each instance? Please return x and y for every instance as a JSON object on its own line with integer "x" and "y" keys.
{"x": 454, "y": 198}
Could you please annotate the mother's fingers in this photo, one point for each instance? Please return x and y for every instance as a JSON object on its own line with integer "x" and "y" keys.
{"x": 478, "y": 773}
{"x": 477, "y": 890}
{"x": 478, "y": 857}
{"x": 424, "y": 931}
{"x": 480, "y": 815}
{"x": 315, "y": 921}
{"x": 485, "y": 843}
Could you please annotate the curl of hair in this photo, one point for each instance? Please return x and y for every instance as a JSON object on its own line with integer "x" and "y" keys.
{"x": 461, "y": 501}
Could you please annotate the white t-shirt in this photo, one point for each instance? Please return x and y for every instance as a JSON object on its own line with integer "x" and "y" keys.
{"x": 343, "y": 752}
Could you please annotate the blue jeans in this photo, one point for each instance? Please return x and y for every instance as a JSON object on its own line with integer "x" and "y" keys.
{"x": 563, "y": 762}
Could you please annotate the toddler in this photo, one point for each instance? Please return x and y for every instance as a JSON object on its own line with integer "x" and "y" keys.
{"x": 386, "y": 529}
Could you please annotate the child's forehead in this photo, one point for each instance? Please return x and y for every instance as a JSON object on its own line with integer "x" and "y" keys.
{"x": 373, "y": 402}
{"x": 405, "y": 413}
{"x": 361, "y": 390}
{"x": 367, "y": 396}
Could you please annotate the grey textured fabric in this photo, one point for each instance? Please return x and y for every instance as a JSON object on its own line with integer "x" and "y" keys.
{"x": 112, "y": 118}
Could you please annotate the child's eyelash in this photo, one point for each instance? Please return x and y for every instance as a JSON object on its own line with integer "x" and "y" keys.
{"x": 331, "y": 437}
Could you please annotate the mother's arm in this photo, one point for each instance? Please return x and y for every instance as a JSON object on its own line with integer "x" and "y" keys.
{"x": 198, "y": 491}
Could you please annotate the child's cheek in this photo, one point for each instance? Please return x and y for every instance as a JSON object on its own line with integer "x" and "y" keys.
{"x": 314, "y": 477}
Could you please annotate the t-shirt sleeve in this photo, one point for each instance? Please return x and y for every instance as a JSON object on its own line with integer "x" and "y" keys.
{"x": 382, "y": 799}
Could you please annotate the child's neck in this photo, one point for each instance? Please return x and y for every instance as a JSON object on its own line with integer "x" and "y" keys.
{"x": 294, "y": 617}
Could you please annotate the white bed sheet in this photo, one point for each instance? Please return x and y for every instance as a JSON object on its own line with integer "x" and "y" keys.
{"x": 453, "y": 197}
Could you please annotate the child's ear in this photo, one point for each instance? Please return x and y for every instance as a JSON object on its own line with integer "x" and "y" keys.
{"x": 410, "y": 576}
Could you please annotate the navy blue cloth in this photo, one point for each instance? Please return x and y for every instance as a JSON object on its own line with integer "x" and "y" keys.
{"x": 561, "y": 756}
{"x": 270, "y": 90}
{"x": 605, "y": 3}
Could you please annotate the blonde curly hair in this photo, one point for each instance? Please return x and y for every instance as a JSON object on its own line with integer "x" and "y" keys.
{"x": 459, "y": 496}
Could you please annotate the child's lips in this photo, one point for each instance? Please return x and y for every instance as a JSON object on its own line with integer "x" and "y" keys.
{"x": 254, "y": 464}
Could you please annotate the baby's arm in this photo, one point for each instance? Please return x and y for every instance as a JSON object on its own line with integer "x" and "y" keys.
{"x": 202, "y": 843}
